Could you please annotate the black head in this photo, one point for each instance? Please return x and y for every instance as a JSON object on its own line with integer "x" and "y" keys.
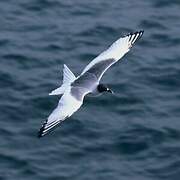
{"x": 103, "y": 88}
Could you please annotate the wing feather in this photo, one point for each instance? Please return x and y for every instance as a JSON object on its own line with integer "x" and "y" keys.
{"x": 94, "y": 71}
{"x": 117, "y": 50}
{"x": 67, "y": 105}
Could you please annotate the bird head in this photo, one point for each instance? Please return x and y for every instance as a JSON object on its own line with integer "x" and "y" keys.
{"x": 103, "y": 88}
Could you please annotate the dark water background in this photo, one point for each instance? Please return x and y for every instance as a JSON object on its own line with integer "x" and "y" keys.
{"x": 132, "y": 135}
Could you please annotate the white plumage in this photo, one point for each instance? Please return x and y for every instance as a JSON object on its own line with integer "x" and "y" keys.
{"x": 74, "y": 89}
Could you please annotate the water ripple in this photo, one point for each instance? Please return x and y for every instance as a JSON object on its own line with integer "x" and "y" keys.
{"x": 133, "y": 134}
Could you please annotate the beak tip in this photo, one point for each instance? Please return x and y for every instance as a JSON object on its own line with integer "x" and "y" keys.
{"x": 110, "y": 91}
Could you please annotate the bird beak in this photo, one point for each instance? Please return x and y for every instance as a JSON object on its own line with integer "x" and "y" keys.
{"x": 110, "y": 91}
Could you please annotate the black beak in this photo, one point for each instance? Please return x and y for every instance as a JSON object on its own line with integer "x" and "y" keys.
{"x": 110, "y": 91}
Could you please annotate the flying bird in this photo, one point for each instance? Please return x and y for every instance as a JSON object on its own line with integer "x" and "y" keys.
{"x": 74, "y": 89}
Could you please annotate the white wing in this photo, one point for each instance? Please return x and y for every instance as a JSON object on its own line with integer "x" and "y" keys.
{"x": 68, "y": 104}
{"x": 117, "y": 50}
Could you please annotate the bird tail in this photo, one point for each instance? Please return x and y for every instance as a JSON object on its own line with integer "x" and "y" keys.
{"x": 68, "y": 78}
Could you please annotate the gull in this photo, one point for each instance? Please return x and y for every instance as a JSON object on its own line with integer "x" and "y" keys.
{"x": 74, "y": 89}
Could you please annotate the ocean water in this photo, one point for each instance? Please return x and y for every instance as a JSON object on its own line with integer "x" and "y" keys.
{"x": 133, "y": 134}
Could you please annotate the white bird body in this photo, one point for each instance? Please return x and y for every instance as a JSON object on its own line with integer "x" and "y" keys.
{"x": 75, "y": 88}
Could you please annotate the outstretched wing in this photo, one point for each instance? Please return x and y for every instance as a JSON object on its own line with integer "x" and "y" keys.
{"x": 116, "y": 51}
{"x": 68, "y": 104}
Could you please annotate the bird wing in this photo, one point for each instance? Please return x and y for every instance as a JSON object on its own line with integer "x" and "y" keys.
{"x": 68, "y": 104}
{"x": 115, "y": 52}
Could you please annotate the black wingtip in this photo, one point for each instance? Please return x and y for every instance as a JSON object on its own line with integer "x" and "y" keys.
{"x": 136, "y": 32}
{"x": 41, "y": 130}
{"x": 44, "y": 130}
{"x": 141, "y": 32}
{"x": 40, "y": 133}
{"x": 135, "y": 36}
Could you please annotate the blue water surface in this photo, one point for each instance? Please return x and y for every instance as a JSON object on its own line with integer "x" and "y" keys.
{"x": 133, "y": 134}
